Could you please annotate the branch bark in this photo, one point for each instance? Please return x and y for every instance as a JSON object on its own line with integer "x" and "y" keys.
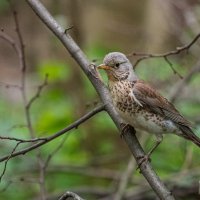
{"x": 129, "y": 136}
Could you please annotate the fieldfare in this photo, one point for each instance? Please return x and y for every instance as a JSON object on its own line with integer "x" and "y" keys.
{"x": 140, "y": 105}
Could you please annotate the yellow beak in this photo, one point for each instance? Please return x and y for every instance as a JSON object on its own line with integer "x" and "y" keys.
{"x": 102, "y": 66}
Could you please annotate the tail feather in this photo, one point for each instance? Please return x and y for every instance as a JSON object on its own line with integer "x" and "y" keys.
{"x": 189, "y": 134}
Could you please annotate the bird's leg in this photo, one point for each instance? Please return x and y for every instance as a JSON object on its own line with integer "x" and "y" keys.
{"x": 124, "y": 128}
{"x": 145, "y": 158}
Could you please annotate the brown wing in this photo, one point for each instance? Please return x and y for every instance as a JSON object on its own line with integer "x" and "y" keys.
{"x": 153, "y": 101}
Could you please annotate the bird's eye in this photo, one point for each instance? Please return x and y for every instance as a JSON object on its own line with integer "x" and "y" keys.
{"x": 117, "y": 65}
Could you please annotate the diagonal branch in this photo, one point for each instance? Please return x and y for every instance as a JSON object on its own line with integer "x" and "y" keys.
{"x": 54, "y": 136}
{"x": 37, "y": 94}
{"x": 10, "y": 40}
{"x": 8, "y": 158}
{"x": 129, "y": 136}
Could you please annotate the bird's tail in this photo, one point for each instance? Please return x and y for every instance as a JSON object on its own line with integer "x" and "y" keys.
{"x": 189, "y": 135}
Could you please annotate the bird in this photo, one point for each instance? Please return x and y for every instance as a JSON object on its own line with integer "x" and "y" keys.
{"x": 142, "y": 106}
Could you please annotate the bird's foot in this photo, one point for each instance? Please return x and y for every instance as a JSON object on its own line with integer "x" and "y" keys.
{"x": 143, "y": 160}
{"x": 124, "y": 128}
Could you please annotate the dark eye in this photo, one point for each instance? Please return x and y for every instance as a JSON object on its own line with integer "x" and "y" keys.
{"x": 117, "y": 65}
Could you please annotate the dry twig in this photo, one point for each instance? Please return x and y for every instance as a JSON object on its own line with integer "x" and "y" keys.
{"x": 54, "y": 136}
{"x": 165, "y": 55}
{"x": 8, "y": 158}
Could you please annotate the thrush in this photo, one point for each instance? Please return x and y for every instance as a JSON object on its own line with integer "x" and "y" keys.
{"x": 140, "y": 105}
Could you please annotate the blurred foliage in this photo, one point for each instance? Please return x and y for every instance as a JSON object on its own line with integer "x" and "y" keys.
{"x": 3, "y": 6}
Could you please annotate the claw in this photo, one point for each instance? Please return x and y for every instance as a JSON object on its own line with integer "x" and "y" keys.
{"x": 143, "y": 160}
{"x": 124, "y": 128}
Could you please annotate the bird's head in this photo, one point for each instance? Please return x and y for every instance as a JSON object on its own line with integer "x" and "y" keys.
{"x": 117, "y": 67}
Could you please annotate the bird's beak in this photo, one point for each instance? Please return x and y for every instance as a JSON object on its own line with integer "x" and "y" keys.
{"x": 102, "y": 66}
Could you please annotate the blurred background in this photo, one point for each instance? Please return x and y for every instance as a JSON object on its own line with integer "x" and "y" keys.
{"x": 93, "y": 160}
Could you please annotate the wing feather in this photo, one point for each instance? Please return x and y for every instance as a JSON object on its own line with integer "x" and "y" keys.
{"x": 152, "y": 100}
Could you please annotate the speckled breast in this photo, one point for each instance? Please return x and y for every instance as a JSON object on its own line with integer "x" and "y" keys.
{"x": 134, "y": 114}
{"x": 122, "y": 98}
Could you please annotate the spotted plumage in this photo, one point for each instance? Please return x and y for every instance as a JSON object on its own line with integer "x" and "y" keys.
{"x": 139, "y": 104}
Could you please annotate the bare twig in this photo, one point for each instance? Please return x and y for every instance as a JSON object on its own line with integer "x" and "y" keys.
{"x": 165, "y": 55}
{"x": 129, "y": 136}
{"x": 27, "y": 104}
{"x": 21, "y": 43}
{"x": 37, "y": 94}
{"x": 59, "y": 133}
{"x": 21, "y": 140}
{"x": 55, "y": 151}
{"x": 10, "y": 40}
{"x": 8, "y": 158}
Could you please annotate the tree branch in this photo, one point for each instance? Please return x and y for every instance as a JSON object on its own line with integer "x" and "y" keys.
{"x": 54, "y": 136}
{"x": 10, "y": 40}
{"x": 21, "y": 140}
{"x": 37, "y": 94}
{"x": 8, "y": 158}
{"x": 129, "y": 136}
{"x": 165, "y": 55}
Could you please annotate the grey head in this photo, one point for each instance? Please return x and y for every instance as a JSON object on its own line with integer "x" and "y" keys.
{"x": 118, "y": 67}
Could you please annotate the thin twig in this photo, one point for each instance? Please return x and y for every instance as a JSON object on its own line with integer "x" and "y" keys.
{"x": 10, "y": 40}
{"x": 37, "y": 94}
{"x": 27, "y": 104}
{"x": 8, "y": 158}
{"x": 165, "y": 55}
{"x": 57, "y": 134}
{"x": 172, "y": 68}
{"x": 21, "y": 140}
{"x": 21, "y": 43}
{"x": 55, "y": 151}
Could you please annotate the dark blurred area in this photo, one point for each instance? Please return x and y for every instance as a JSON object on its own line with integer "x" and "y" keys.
{"x": 92, "y": 160}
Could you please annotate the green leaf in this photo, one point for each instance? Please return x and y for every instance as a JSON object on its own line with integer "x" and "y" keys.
{"x": 56, "y": 70}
